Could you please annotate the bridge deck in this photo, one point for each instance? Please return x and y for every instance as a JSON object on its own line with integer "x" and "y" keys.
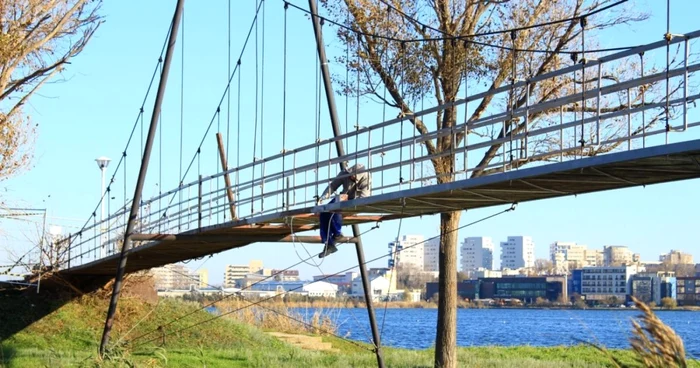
{"x": 660, "y": 164}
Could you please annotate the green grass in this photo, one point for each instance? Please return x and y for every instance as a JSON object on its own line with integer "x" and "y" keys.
{"x": 69, "y": 336}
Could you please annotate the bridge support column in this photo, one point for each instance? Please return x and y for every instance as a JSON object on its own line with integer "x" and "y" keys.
{"x": 142, "y": 176}
{"x": 341, "y": 152}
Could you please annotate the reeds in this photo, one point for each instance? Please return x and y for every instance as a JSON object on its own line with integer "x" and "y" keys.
{"x": 278, "y": 318}
{"x": 655, "y": 343}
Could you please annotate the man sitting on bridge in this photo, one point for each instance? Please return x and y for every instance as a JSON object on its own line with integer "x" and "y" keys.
{"x": 356, "y": 183}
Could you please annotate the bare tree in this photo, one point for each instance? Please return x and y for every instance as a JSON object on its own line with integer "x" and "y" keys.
{"x": 39, "y": 37}
{"x": 392, "y": 68}
{"x": 544, "y": 267}
{"x": 409, "y": 277}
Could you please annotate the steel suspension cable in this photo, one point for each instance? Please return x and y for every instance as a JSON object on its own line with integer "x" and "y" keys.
{"x": 466, "y": 38}
{"x": 121, "y": 161}
{"x": 317, "y": 117}
{"x": 228, "y": 95}
{"x": 668, "y": 37}
{"x": 255, "y": 126}
{"x": 347, "y": 81}
{"x": 182, "y": 111}
{"x": 221, "y": 101}
{"x": 284, "y": 103}
{"x": 357, "y": 103}
{"x": 238, "y": 126}
{"x": 160, "y": 151}
{"x": 583, "y": 23}
{"x": 262, "y": 114}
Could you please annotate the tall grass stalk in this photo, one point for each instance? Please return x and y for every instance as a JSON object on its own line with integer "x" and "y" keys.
{"x": 273, "y": 317}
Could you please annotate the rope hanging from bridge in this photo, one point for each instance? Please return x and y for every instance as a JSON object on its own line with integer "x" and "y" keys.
{"x": 393, "y": 265}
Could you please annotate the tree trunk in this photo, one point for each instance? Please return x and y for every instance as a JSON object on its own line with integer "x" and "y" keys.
{"x": 446, "y": 339}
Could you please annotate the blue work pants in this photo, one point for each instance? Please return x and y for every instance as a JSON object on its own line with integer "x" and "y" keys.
{"x": 331, "y": 224}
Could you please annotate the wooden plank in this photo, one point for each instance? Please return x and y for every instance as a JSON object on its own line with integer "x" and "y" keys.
{"x": 227, "y": 179}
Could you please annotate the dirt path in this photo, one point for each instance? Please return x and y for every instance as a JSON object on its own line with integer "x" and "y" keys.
{"x": 305, "y": 342}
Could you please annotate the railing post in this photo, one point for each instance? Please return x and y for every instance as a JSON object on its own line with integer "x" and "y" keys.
{"x": 69, "y": 243}
{"x": 199, "y": 205}
{"x": 286, "y": 205}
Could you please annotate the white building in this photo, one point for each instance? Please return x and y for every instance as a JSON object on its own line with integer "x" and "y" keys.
{"x": 567, "y": 256}
{"x": 485, "y": 273}
{"x": 234, "y": 273}
{"x": 594, "y": 258}
{"x": 410, "y": 252}
{"x": 378, "y": 285}
{"x": 476, "y": 253}
{"x": 431, "y": 255}
{"x": 318, "y": 289}
{"x": 618, "y": 255}
{"x": 175, "y": 277}
{"x": 343, "y": 279}
{"x": 603, "y": 283}
{"x": 518, "y": 252}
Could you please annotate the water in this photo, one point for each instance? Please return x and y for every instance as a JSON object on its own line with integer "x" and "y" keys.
{"x": 415, "y": 328}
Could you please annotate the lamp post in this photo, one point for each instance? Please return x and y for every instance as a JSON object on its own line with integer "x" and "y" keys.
{"x": 102, "y": 163}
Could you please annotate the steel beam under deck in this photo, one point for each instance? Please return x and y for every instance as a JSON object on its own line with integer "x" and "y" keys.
{"x": 204, "y": 238}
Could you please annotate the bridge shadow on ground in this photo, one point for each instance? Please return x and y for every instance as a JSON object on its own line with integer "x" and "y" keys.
{"x": 19, "y": 309}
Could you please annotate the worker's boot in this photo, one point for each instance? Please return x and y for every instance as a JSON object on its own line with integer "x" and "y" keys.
{"x": 329, "y": 249}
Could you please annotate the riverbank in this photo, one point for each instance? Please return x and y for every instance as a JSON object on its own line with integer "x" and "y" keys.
{"x": 155, "y": 334}
{"x": 461, "y": 304}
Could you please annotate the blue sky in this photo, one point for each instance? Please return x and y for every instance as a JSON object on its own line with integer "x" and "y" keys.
{"x": 91, "y": 111}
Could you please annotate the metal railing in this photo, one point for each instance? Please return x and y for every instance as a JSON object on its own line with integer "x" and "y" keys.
{"x": 621, "y": 113}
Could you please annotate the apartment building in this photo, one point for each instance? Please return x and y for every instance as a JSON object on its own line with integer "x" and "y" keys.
{"x": 234, "y": 273}
{"x": 175, "y": 277}
{"x": 566, "y": 256}
{"x": 675, "y": 257}
{"x": 619, "y": 255}
{"x": 518, "y": 252}
{"x": 603, "y": 283}
{"x": 476, "y": 253}
{"x": 410, "y": 252}
{"x": 431, "y": 254}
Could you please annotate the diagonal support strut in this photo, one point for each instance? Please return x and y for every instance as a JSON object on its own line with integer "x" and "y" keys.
{"x": 318, "y": 33}
{"x": 138, "y": 191}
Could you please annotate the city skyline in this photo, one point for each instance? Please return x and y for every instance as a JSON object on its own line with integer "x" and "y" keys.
{"x": 309, "y": 274}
